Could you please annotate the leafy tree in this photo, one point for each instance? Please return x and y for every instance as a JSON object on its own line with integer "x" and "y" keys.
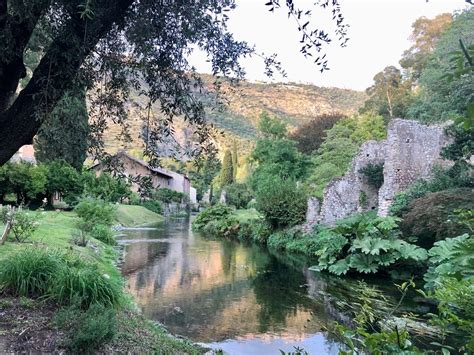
{"x": 106, "y": 187}
{"x": 341, "y": 144}
{"x": 64, "y": 134}
{"x": 112, "y": 46}
{"x": 425, "y": 35}
{"x": 227, "y": 170}
{"x": 64, "y": 179}
{"x": 311, "y": 134}
{"x": 281, "y": 202}
{"x": 443, "y": 96}
{"x": 390, "y": 95}
{"x": 238, "y": 195}
{"x": 25, "y": 180}
{"x": 275, "y": 155}
{"x": 206, "y": 169}
{"x": 271, "y": 127}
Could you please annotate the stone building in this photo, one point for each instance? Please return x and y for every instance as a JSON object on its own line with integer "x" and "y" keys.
{"x": 160, "y": 177}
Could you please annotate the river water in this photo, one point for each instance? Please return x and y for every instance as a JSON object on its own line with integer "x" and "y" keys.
{"x": 239, "y": 298}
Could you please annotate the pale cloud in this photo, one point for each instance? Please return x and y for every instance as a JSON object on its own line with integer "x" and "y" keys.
{"x": 378, "y": 36}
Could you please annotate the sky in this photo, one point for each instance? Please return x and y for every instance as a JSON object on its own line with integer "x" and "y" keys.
{"x": 379, "y": 33}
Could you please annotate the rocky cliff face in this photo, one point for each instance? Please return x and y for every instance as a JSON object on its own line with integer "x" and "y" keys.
{"x": 409, "y": 153}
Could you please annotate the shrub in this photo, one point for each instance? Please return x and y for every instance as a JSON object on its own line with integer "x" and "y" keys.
{"x": 94, "y": 211}
{"x": 224, "y": 227}
{"x": 153, "y": 205}
{"x": 103, "y": 233}
{"x": 23, "y": 223}
{"x": 256, "y": 231}
{"x": 213, "y": 213}
{"x": 428, "y": 217}
{"x": 79, "y": 237}
{"x": 87, "y": 330}
{"x": 374, "y": 174}
{"x": 442, "y": 180}
{"x": 281, "y": 203}
{"x": 167, "y": 196}
{"x": 238, "y": 195}
{"x": 106, "y": 187}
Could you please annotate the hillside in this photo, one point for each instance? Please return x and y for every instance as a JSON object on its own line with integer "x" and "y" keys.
{"x": 294, "y": 103}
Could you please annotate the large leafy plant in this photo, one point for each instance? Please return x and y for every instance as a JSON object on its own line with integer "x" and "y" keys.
{"x": 363, "y": 244}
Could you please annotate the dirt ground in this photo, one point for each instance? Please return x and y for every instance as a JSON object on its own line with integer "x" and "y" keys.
{"x": 26, "y": 327}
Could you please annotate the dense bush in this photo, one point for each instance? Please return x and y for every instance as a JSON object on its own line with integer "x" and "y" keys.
{"x": 59, "y": 277}
{"x": 166, "y": 195}
{"x": 442, "y": 180}
{"x": 152, "y": 205}
{"x": 363, "y": 243}
{"x": 106, "y": 187}
{"x": 429, "y": 217}
{"x": 256, "y": 231}
{"x": 213, "y": 213}
{"x": 238, "y": 195}
{"x": 103, "y": 233}
{"x": 374, "y": 174}
{"x": 281, "y": 202}
{"x": 83, "y": 284}
{"x": 86, "y": 330}
{"x": 94, "y": 211}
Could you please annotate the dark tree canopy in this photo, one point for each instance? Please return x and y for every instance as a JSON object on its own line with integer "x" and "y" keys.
{"x": 65, "y": 134}
{"x": 311, "y": 134}
{"x": 113, "y": 46}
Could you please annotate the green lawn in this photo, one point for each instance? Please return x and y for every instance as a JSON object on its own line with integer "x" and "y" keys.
{"x": 135, "y": 333}
{"x": 134, "y": 216}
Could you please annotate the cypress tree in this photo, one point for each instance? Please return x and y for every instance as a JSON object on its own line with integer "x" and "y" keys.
{"x": 235, "y": 159}
{"x": 227, "y": 170}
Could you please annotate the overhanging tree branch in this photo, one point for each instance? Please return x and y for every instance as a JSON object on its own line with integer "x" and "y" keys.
{"x": 54, "y": 76}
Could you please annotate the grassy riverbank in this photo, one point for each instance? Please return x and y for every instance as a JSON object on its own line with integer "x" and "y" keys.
{"x": 134, "y": 216}
{"x": 34, "y": 324}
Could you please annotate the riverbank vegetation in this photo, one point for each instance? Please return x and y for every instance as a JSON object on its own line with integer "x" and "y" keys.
{"x": 77, "y": 285}
{"x": 428, "y": 236}
{"x": 62, "y": 264}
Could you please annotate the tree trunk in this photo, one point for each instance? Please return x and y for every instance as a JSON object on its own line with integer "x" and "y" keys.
{"x": 55, "y": 75}
{"x": 6, "y": 232}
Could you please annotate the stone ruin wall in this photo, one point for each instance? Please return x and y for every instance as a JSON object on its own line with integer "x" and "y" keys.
{"x": 352, "y": 193}
{"x": 409, "y": 153}
{"x": 413, "y": 150}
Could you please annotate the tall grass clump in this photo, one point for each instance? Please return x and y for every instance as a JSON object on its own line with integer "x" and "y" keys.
{"x": 59, "y": 277}
{"x": 29, "y": 272}
{"x": 85, "y": 285}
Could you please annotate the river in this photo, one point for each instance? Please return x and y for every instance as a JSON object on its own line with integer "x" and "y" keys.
{"x": 239, "y": 298}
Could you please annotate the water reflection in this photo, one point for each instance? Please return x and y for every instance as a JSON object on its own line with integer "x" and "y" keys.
{"x": 240, "y": 298}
